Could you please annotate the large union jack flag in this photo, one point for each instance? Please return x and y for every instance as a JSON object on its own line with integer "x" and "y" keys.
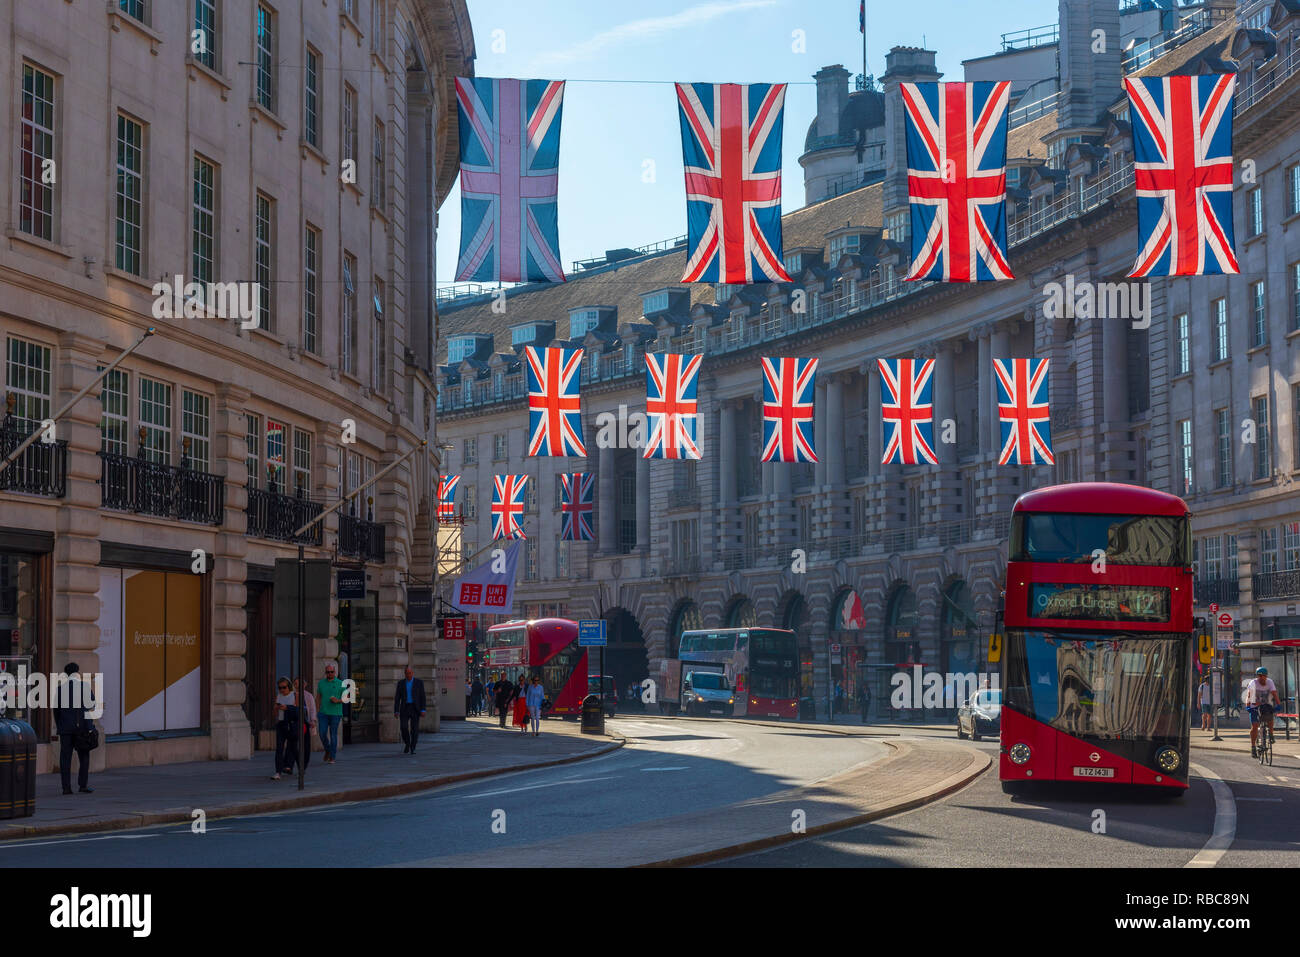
{"x": 907, "y": 409}
{"x": 576, "y": 502}
{"x": 509, "y": 160}
{"x": 508, "y": 506}
{"x": 554, "y": 419}
{"x": 1023, "y": 412}
{"x": 957, "y": 179}
{"x": 788, "y": 410}
{"x": 1182, "y": 170}
{"x": 670, "y": 388}
{"x": 731, "y": 147}
{"x": 447, "y": 497}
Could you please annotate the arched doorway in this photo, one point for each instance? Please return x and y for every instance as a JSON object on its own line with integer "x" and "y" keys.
{"x": 741, "y": 614}
{"x": 846, "y": 628}
{"x": 959, "y": 638}
{"x": 901, "y": 644}
{"x": 795, "y": 618}
{"x": 625, "y": 658}
{"x": 686, "y": 617}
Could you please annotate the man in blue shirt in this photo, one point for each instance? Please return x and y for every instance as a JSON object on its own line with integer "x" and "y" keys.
{"x": 408, "y": 706}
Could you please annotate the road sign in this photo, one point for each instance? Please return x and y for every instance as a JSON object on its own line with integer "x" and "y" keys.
{"x": 1214, "y": 608}
{"x": 1224, "y": 620}
{"x": 1224, "y": 642}
{"x": 1206, "y": 650}
{"x": 591, "y": 632}
{"x": 835, "y": 649}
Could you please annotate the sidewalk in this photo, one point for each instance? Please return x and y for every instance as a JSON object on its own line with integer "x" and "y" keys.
{"x": 168, "y": 793}
{"x": 1238, "y": 739}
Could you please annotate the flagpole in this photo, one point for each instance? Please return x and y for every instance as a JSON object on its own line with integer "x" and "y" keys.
{"x": 864, "y": 44}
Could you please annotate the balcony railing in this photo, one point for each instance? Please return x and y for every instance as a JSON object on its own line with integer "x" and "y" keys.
{"x": 678, "y": 565}
{"x": 277, "y": 516}
{"x": 1275, "y": 585}
{"x": 1225, "y": 591}
{"x": 42, "y": 469}
{"x": 361, "y": 538}
{"x": 168, "y": 491}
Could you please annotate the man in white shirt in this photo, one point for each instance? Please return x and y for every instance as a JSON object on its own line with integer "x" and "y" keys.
{"x": 1204, "y": 694}
{"x": 1261, "y": 701}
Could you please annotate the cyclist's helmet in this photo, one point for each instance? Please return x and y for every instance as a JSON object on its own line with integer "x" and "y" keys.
{"x": 1262, "y": 671}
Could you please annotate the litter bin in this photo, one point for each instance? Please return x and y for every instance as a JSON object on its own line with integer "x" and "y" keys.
{"x": 593, "y": 715}
{"x": 17, "y": 769}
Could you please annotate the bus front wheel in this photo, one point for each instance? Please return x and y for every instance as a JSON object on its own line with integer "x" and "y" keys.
{"x": 1014, "y": 787}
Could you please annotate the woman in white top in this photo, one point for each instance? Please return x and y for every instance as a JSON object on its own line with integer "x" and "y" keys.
{"x": 535, "y": 696}
{"x": 309, "y": 707}
{"x": 284, "y": 699}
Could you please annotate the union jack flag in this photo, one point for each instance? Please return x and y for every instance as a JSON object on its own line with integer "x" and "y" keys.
{"x": 957, "y": 179}
{"x": 508, "y": 506}
{"x": 554, "y": 419}
{"x": 447, "y": 496}
{"x": 1022, "y": 410}
{"x": 509, "y": 159}
{"x": 670, "y": 405}
{"x": 1182, "y": 171}
{"x": 731, "y": 147}
{"x": 788, "y": 410}
{"x": 907, "y": 408}
{"x": 576, "y": 498}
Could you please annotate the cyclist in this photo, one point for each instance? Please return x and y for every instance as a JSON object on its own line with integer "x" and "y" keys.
{"x": 1260, "y": 699}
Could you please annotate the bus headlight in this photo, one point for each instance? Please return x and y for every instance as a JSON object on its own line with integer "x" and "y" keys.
{"x": 731, "y": 701}
{"x": 1019, "y": 754}
{"x": 1168, "y": 760}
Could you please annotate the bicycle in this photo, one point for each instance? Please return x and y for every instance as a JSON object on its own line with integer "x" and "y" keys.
{"x": 1265, "y": 746}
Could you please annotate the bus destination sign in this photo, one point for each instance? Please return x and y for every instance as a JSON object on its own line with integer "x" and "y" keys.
{"x": 1099, "y": 602}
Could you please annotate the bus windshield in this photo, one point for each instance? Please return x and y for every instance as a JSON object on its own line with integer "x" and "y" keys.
{"x": 705, "y": 641}
{"x": 1114, "y": 686}
{"x": 1125, "y": 539}
{"x": 508, "y": 638}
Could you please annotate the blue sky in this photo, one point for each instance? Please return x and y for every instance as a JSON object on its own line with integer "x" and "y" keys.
{"x": 610, "y": 129}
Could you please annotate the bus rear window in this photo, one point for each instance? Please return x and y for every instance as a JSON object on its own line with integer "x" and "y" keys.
{"x": 1125, "y": 539}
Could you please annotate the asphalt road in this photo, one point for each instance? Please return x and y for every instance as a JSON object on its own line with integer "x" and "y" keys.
{"x": 980, "y": 826}
{"x": 666, "y": 769}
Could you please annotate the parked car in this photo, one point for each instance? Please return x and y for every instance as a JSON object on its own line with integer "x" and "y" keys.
{"x": 611, "y": 695}
{"x": 981, "y": 714}
{"x": 707, "y": 692}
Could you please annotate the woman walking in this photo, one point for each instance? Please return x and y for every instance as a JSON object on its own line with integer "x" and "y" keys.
{"x": 535, "y": 696}
{"x": 284, "y": 700}
{"x": 505, "y": 694}
{"x": 521, "y": 704}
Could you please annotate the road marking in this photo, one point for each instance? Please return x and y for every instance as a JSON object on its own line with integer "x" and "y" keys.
{"x": 683, "y": 768}
{"x": 533, "y": 787}
{"x": 1225, "y": 821}
{"x": 1275, "y": 800}
{"x": 107, "y": 837}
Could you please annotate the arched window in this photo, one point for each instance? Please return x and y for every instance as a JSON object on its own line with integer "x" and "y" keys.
{"x": 795, "y": 618}
{"x": 901, "y": 645}
{"x": 741, "y": 614}
{"x": 685, "y": 618}
{"x": 959, "y": 637}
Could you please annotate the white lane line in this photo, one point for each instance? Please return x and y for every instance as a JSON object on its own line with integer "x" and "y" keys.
{"x": 533, "y": 787}
{"x": 7, "y": 845}
{"x": 1225, "y": 821}
{"x": 1271, "y": 800}
{"x": 682, "y": 768}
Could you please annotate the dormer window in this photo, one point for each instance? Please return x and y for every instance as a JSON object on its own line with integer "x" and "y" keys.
{"x": 794, "y": 263}
{"x": 654, "y": 302}
{"x": 723, "y": 292}
{"x": 522, "y": 335}
{"x": 845, "y": 245}
{"x": 461, "y": 348}
{"x": 582, "y": 321}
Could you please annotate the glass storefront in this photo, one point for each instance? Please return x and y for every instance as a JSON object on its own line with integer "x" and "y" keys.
{"x": 20, "y": 626}
{"x": 359, "y": 660}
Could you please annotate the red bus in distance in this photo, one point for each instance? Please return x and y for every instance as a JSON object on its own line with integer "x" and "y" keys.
{"x": 543, "y": 646}
{"x": 1096, "y": 662}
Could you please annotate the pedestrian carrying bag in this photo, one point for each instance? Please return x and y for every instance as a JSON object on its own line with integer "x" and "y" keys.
{"x": 87, "y": 739}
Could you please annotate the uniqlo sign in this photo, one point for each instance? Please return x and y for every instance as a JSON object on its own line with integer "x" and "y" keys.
{"x": 453, "y": 629}
{"x": 471, "y": 593}
{"x": 496, "y": 595}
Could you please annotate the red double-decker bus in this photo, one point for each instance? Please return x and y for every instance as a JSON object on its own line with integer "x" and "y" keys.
{"x": 1096, "y": 662}
{"x": 547, "y": 647}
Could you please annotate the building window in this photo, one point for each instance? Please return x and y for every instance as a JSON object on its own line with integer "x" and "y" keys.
{"x": 311, "y": 99}
{"x": 253, "y": 452}
{"x": 1295, "y": 415}
{"x": 498, "y": 447}
{"x": 1184, "y": 344}
{"x": 311, "y": 287}
{"x": 471, "y": 502}
{"x": 348, "y": 338}
{"x": 129, "y": 241}
{"x": 204, "y": 222}
{"x": 133, "y": 8}
{"x": 114, "y": 421}
{"x": 561, "y": 559}
{"x": 349, "y": 123}
{"x": 654, "y": 302}
{"x": 1291, "y": 546}
{"x": 196, "y": 425}
{"x": 1263, "y": 445}
{"x": 378, "y": 341}
{"x": 1213, "y": 551}
{"x": 1260, "y": 315}
{"x": 582, "y": 321}
{"x": 263, "y": 257}
{"x": 156, "y": 420}
{"x": 1255, "y": 212}
{"x": 1219, "y": 314}
{"x": 205, "y": 30}
{"x": 1230, "y": 557}
{"x": 1268, "y": 550}
{"x": 469, "y": 455}
{"x": 36, "y": 184}
{"x": 302, "y": 463}
{"x": 1293, "y": 191}
{"x": 265, "y": 63}
{"x": 1185, "y": 453}
{"x": 1295, "y": 296}
{"x": 1223, "y": 419}
{"x": 275, "y": 456}
{"x": 378, "y": 19}
{"x": 461, "y": 348}
{"x": 29, "y": 381}
{"x": 844, "y": 245}
{"x": 348, "y": 10}
{"x": 530, "y": 496}
{"x": 530, "y": 558}
{"x": 377, "y": 167}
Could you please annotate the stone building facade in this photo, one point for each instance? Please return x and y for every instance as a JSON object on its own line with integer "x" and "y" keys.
{"x": 1134, "y": 398}
{"x": 294, "y": 145}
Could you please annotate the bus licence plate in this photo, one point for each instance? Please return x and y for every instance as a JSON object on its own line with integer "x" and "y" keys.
{"x": 1094, "y": 772}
